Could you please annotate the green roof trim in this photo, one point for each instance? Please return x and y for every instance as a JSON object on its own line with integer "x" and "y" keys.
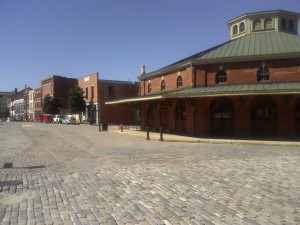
{"x": 239, "y": 89}
{"x": 265, "y": 45}
{"x": 220, "y": 91}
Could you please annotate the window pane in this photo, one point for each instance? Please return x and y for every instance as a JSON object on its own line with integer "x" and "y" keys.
{"x": 86, "y": 92}
{"x": 149, "y": 88}
{"x": 111, "y": 92}
{"x": 163, "y": 85}
{"x": 179, "y": 81}
{"x": 92, "y": 92}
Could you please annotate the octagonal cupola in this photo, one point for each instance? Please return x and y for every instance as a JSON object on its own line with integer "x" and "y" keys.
{"x": 274, "y": 20}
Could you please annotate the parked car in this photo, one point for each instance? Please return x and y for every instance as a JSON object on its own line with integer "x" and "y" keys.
{"x": 58, "y": 119}
{"x": 69, "y": 120}
{"x": 47, "y": 118}
{"x": 39, "y": 119}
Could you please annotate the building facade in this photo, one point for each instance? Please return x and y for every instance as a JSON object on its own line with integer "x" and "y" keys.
{"x": 37, "y": 99}
{"x": 98, "y": 91}
{"x": 59, "y": 87}
{"x": 31, "y": 105}
{"x": 3, "y": 104}
{"x": 18, "y": 104}
{"x": 247, "y": 87}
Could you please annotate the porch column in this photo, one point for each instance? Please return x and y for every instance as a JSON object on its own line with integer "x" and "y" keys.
{"x": 242, "y": 116}
{"x": 286, "y": 116}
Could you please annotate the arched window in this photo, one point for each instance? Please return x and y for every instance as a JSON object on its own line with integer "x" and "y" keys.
{"x": 180, "y": 110}
{"x": 256, "y": 24}
{"x": 242, "y": 27}
{"x": 163, "y": 85}
{"x": 221, "y": 76}
{"x": 235, "y": 30}
{"x": 179, "y": 81}
{"x": 149, "y": 88}
{"x": 268, "y": 23}
{"x": 221, "y": 108}
{"x": 264, "y": 108}
{"x": 263, "y": 73}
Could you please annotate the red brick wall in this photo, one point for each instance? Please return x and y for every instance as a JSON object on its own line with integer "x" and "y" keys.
{"x": 170, "y": 80}
{"x": 237, "y": 73}
{"x": 113, "y": 114}
{"x": 284, "y": 70}
{"x": 87, "y": 82}
{"x": 200, "y": 124}
{"x": 246, "y": 72}
{"x": 58, "y": 87}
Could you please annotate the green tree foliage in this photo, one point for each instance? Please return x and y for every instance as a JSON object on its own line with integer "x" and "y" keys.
{"x": 51, "y": 105}
{"x": 5, "y": 114}
{"x": 76, "y": 102}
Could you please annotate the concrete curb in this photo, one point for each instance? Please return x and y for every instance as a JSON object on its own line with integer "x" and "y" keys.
{"x": 178, "y": 138}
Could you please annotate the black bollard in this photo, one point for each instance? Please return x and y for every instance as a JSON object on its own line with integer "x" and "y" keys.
{"x": 147, "y": 129}
{"x": 99, "y": 127}
{"x": 161, "y": 134}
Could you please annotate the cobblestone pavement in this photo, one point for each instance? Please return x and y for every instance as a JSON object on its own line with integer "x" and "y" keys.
{"x": 64, "y": 174}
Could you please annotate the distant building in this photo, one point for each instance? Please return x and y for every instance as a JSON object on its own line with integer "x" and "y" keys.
{"x": 59, "y": 87}
{"x": 98, "y": 91}
{"x": 3, "y": 103}
{"x": 18, "y": 104}
{"x": 246, "y": 87}
{"x": 37, "y": 101}
{"x": 31, "y": 106}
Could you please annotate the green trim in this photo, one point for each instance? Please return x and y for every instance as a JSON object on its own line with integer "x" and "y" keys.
{"x": 220, "y": 91}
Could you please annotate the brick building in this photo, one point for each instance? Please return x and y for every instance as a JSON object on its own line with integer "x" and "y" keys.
{"x": 37, "y": 102}
{"x": 58, "y": 86}
{"x": 98, "y": 91}
{"x": 246, "y": 87}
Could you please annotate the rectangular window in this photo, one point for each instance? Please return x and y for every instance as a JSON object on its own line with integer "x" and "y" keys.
{"x": 92, "y": 92}
{"x": 111, "y": 92}
{"x": 86, "y": 92}
{"x": 282, "y": 23}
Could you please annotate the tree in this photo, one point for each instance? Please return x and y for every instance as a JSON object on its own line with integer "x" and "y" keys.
{"x": 51, "y": 105}
{"x": 5, "y": 114}
{"x": 76, "y": 102}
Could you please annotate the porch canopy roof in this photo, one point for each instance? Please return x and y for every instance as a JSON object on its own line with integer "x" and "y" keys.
{"x": 219, "y": 91}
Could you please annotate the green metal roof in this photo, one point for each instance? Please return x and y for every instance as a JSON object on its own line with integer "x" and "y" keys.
{"x": 265, "y": 45}
{"x": 239, "y": 89}
{"x": 219, "y": 91}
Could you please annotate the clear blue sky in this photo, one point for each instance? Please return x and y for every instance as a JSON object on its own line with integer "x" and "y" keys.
{"x": 74, "y": 38}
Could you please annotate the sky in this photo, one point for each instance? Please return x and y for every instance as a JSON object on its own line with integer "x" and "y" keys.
{"x": 75, "y": 38}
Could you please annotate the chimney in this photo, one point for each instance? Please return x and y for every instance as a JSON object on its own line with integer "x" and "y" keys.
{"x": 142, "y": 69}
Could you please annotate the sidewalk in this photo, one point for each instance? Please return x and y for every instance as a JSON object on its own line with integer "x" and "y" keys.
{"x": 155, "y": 136}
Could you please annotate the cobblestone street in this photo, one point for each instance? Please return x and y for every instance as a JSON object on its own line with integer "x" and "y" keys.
{"x": 68, "y": 174}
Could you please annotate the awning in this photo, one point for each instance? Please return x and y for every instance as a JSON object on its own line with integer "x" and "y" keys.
{"x": 239, "y": 90}
{"x": 135, "y": 99}
{"x": 221, "y": 91}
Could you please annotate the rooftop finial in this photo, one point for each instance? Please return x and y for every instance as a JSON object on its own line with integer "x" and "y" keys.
{"x": 142, "y": 69}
